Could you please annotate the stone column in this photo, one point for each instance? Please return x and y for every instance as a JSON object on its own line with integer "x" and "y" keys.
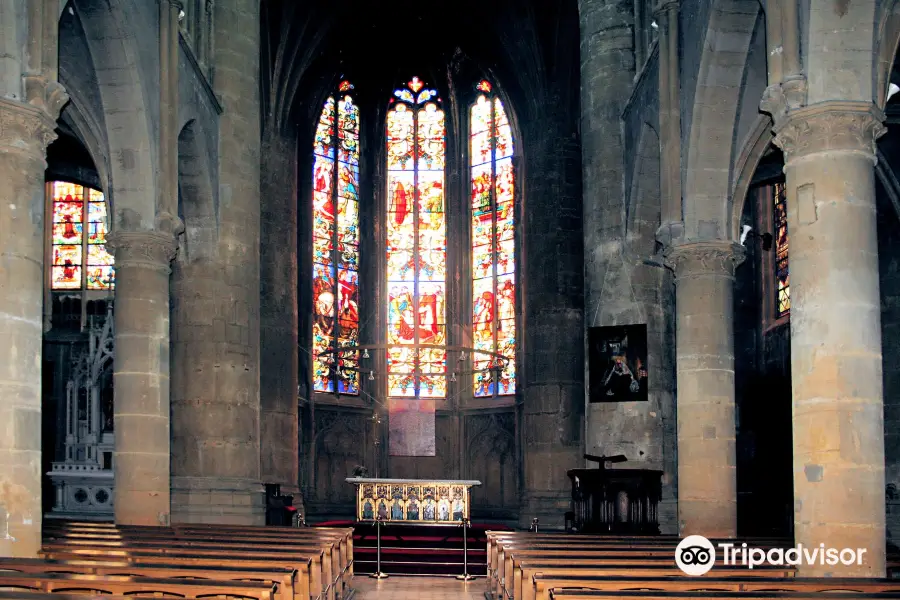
{"x": 836, "y": 362}
{"x": 551, "y": 376}
{"x": 25, "y": 133}
{"x": 279, "y": 418}
{"x": 704, "y": 351}
{"x": 216, "y": 424}
{"x": 141, "y": 376}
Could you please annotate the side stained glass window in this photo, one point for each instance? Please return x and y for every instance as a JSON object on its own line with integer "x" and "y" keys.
{"x": 416, "y": 244}
{"x": 493, "y": 245}
{"x": 336, "y": 245}
{"x": 782, "y": 276}
{"x": 79, "y": 258}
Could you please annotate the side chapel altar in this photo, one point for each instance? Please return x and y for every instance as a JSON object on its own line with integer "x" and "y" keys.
{"x": 412, "y": 501}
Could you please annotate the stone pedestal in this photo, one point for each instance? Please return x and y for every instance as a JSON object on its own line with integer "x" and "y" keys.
{"x": 25, "y": 133}
{"x": 141, "y": 457}
{"x": 707, "y": 476}
{"x": 836, "y": 362}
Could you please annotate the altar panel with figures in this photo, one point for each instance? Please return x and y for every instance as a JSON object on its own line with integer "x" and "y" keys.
{"x": 412, "y": 501}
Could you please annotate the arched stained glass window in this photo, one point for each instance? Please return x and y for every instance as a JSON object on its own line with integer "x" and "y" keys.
{"x": 493, "y": 245}
{"x": 416, "y": 244}
{"x": 79, "y": 259}
{"x": 336, "y": 245}
{"x": 782, "y": 275}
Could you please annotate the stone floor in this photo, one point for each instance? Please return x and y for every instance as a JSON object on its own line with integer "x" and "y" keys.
{"x": 418, "y": 588}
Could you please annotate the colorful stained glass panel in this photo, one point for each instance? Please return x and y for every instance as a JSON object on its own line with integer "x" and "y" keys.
{"x": 493, "y": 246}
{"x": 782, "y": 274}
{"x": 416, "y": 245}
{"x": 336, "y": 227}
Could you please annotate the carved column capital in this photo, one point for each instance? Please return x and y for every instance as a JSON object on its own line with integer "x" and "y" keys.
{"x": 704, "y": 258}
{"x": 25, "y": 128}
{"x": 829, "y": 126}
{"x": 143, "y": 249}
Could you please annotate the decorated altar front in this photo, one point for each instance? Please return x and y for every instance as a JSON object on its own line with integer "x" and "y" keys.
{"x": 413, "y": 501}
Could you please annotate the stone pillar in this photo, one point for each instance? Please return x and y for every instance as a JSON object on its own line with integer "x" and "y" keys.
{"x": 25, "y": 133}
{"x": 704, "y": 354}
{"x": 216, "y": 424}
{"x": 141, "y": 375}
{"x": 552, "y": 373}
{"x": 279, "y": 418}
{"x": 836, "y": 361}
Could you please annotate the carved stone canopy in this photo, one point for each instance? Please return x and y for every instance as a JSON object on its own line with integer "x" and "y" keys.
{"x": 717, "y": 257}
{"x": 830, "y": 127}
{"x": 143, "y": 249}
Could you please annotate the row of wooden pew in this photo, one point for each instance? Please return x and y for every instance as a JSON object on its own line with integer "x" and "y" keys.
{"x": 83, "y": 560}
{"x": 531, "y": 566}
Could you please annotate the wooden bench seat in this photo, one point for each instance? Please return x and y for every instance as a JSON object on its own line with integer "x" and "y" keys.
{"x": 332, "y": 572}
{"x": 33, "y": 595}
{"x": 506, "y": 557}
{"x": 342, "y": 552}
{"x": 523, "y": 571}
{"x": 287, "y": 579}
{"x": 544, "y": 582}
{"x": 312, "y": 562}
{"x": 340, "y": 539}
{"x": 133, "y": 586}
{"x": 583, "y": 594}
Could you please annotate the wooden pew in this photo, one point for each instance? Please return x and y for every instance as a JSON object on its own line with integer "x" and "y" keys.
{"x": 287, "y": 579}
{"x": 132, "y": 586}
{"x": 202, "y": 556}
{"x": 524, "y": 571}
{"x": 499, "y": 562}
{"x": 544, "y": 582}
{"x": 267, "y": 534}
{"x": 334, "y": 568}
{"x": 32, "y": 595}
{"x": 504, "y": 574}
{"x": 582, "y": 594}
{"x": 342, "y": 539}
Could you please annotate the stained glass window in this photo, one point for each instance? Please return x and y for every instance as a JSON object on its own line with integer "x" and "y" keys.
{"x": 416, "y": 244}
{"x": 336, "y": 245}
{"x": 79, "y": 261}
{"x": 782, "y": 276}
{"x": 493, "y": 245}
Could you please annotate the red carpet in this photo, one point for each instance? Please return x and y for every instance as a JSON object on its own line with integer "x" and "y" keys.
{"x": 418, "y": 549}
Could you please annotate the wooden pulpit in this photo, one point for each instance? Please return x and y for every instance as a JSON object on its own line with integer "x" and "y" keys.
{"x": 616, "y": 501}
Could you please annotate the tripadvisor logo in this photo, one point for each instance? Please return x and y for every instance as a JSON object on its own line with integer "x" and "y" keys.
{"x": 695, "y": 555}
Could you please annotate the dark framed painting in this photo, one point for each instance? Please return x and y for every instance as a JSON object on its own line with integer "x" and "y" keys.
{"x": 617, "y": 363}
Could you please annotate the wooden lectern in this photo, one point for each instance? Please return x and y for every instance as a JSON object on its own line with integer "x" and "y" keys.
{"x": 615, "y": 501}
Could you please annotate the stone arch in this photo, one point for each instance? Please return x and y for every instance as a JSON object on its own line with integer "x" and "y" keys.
{"x": 196, "y": 202}
{"x": 715, "y": 116}
{"x": 644, "y": 207}
{"x": 111, "y": 36}
{"x": 755, "y": 147}
{"x": 887, "y": 43}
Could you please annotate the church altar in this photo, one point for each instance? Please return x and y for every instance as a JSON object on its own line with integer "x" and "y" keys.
{"x": 412, "y": 501}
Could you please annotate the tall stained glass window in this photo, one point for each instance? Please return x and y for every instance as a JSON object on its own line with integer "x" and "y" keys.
{"x": 782, "y": 276}
{"x": 336, "y": 245}
{"x": 79, "y": 259}
{"x": 416, "y": 244}
{"x": 493, "y": 245}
